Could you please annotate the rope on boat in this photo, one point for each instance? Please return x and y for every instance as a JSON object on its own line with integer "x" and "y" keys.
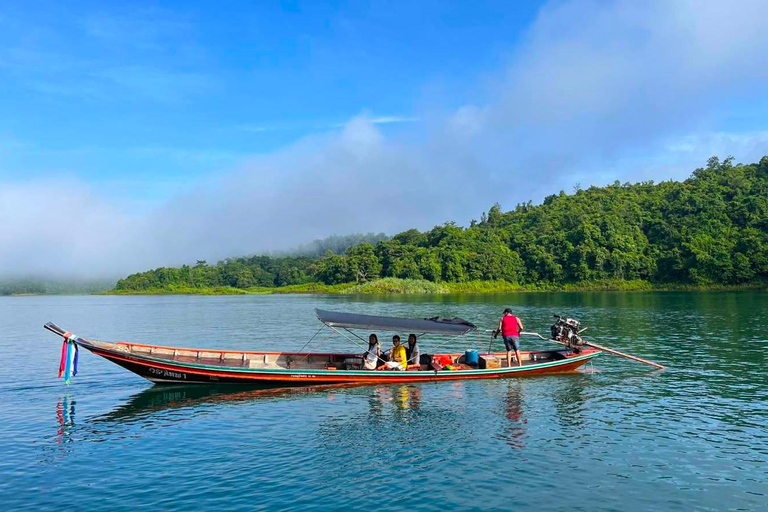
{"x": 439, "y": 348}
{"x": 354, "y": 342}
{"x": 315, "y": 347}
{"x": 355, "y": 335}
{"x": 364, "y": 347}
{"x": 310, "y": 339}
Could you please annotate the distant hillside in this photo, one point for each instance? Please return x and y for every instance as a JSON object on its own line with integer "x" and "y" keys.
{"x": 711, "y": 229}
{"x": 39, "y": 286}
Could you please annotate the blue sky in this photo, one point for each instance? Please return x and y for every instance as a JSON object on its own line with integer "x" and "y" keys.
{"x": 176, "y": 131}
{"x": 148, "y": 92}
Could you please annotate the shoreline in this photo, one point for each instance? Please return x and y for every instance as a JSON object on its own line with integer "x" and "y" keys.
{"x": 393, "y": 286}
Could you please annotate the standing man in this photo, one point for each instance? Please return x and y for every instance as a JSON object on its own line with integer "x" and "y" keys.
{"x": 510, "y": 327}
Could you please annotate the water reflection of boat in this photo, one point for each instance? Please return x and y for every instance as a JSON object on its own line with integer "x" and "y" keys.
{"x": 157, "y": 399}
{"x": 161, "y": 364}
{"x": 571, "y": 402}
{"x": 65, "y": 415}
{"x": 403, "y": 396}
{"x": 514, "y": 432}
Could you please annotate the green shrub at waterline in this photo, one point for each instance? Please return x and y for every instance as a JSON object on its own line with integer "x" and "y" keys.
{"x": 306, "y": 288}
{"x": 609, "y": 285}
{"x": 499, "y": 286}
{"x": 183, "y": 290}
{"x": 396, "y": 285}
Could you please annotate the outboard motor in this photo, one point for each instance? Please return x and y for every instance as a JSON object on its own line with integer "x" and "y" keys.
{"x": 567, "y": 330}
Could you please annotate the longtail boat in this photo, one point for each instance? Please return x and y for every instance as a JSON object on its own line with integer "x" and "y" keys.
{"x": 175, "y": 365}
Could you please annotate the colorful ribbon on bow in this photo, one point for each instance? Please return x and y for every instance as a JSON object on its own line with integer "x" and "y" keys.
{"x": 69, "y": 355}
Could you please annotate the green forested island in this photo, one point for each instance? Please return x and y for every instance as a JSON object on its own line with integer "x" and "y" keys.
{"x": 710, "y": 230}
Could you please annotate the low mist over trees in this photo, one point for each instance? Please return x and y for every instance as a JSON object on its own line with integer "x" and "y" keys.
{"x": 337, "y": 244}
{"x": 39, "y": 286}
{"x": 709, "y": 229}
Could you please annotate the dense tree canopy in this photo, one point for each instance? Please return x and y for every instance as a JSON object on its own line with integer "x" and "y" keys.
{"x": 709, "y": 229}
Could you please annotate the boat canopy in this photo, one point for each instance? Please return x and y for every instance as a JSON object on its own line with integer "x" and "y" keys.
{"x": 436, "y": 325}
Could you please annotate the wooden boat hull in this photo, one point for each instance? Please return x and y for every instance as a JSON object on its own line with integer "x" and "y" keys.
{"x": 171, "y": 365}
{"x": 168, "y": 372}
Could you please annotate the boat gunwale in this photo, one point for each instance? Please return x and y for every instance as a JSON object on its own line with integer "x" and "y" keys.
{"x": 273, "y": 353}
{"x": 316, "y": 371}
{"x": 190, "y": 349}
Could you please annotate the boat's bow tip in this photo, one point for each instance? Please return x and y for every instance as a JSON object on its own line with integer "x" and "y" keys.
{"x": 54, "y": 328}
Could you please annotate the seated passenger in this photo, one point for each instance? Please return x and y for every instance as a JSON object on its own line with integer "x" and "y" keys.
{"x": 373, "y": 354}
{"x": 412, "y": 352}
{"x": 397, "y": 358}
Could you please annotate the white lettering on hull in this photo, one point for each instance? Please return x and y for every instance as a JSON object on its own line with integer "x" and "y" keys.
{"x": 167, "y": 373}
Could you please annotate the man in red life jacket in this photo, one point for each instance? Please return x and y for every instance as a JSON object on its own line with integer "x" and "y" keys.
{"x": 510, "y": 328}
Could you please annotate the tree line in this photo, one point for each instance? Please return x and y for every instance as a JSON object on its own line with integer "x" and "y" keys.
{"x": 711, "y": 228}
{"x": 40, "y": 286}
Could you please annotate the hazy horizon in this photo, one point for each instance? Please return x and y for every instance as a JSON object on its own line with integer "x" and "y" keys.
{"x": 315, "y": 248}
{"x": 136, "y": 137}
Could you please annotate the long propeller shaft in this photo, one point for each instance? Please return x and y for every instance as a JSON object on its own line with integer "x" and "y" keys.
{"x": 604, "y": 349}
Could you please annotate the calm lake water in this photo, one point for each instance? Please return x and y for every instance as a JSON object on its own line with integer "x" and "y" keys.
{"x": 618, "y": 436}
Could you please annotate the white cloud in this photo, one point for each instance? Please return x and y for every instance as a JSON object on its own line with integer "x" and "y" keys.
{"x": 163, "y": 85}
{"x": 748, "y": 145}
{"x": 304, "y": 126}
{"x": 257, "y": 128}
{"x": 113, "y": 64}
{"x": 144, "y": 29}
{"x": 60, "y": 228}
{"x": 394, "y": 119}
{"x": 600, "y": 79}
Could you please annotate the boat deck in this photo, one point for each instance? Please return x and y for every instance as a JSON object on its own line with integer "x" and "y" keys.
{"x": 306, "y": 361}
